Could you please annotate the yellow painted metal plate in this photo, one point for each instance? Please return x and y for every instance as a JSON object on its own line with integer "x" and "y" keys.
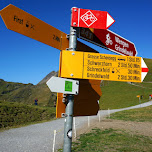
{"x": 72, "y": 64}
{"x": 101, "y": 67}
{"x": 89, "y": 93}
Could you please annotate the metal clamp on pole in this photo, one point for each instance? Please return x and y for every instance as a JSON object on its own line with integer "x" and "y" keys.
{"x": 73, "y": 39}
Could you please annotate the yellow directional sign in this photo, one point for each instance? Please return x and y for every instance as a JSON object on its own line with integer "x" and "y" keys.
{"x": 24, "y": 23}
{"x": 28, "y": 25}
{"x": 84, "y": 65}
{"x": 89, "y": 93}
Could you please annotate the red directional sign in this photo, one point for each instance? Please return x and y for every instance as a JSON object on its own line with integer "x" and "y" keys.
{"x": 91, "y": 19}
{"x": 108, "y": 40}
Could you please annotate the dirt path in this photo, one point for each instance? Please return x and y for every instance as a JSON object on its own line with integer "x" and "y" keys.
{"x": 140, "y": 128}
{"x": 39, "y": 137}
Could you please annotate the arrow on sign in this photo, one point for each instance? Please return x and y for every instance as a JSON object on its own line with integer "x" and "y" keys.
{"x": 91, "y": 18}
{"x": 61, "y": 85}
{"x": 144, "y": 69}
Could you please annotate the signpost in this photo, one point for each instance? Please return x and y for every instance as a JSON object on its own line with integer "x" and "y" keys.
{"x": 24, "y": 23}
{"x": 70, "y": 99}
{"x": 91, "y": 19}
{"x": 108, "y": 40}
{"x": 89, "y": 93}
{"x": 102, "y": 67}
{"x": 92, "y": 67}
{"x": 61, "y": 85}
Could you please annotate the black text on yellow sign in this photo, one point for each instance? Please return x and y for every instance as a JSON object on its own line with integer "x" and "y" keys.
{"x": 84, "y": 65}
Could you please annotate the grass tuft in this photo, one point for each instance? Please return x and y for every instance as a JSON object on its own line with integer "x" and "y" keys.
{"x": 111, "y": 140}
{"x": 138, "y": 115}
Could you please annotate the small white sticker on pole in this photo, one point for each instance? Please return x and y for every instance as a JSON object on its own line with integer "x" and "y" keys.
{"x": 62, "y": 85}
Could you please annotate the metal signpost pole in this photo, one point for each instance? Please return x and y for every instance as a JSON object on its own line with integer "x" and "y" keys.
{"x": 70, "y": 100}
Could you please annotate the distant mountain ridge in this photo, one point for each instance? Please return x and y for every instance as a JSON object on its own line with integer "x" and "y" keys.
{"x": 45, "y": 79}
{"x": 27, "y": 93}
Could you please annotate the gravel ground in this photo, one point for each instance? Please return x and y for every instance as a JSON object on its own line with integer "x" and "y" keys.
{"x": 39, "y": 137}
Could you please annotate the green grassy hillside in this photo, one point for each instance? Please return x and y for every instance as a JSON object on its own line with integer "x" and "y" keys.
{"x": 114, "y": 94}
{"x": 17, "y": 104}
{"x": 117, "y": 95}
{"x": 16, "y": 114}
{"x": 26, "y": 93}
{"x": 139, "y": 115}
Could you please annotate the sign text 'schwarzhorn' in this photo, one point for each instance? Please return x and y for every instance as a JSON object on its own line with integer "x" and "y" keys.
{"x": 102, "y": 67}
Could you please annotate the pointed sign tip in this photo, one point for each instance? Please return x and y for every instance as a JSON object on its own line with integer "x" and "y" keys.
{"x": 110, "y": 20}
{"x": 144, "y": 69}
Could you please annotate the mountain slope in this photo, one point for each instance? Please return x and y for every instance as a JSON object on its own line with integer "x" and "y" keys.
{"x": 26, "y": 93}
{"x": 45, "y": 79}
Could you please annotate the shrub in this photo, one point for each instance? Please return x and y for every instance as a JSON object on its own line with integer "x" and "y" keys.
{"x": 13, "y": 114}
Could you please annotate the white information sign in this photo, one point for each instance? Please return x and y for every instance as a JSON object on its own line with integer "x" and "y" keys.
{"x": 62, "y": 85}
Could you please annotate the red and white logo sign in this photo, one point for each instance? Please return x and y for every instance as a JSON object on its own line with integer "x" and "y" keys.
{"x": 91, "y": 19}
{"x": 88, "y": 18}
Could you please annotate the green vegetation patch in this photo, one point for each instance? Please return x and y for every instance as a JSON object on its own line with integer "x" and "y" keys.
{"x": 26, "y": 93}
{"x": 117, "y": 95}
{"x": 14, "y": 114}
{"x": 112, "y": 140}
{"x": 139, "y": 115}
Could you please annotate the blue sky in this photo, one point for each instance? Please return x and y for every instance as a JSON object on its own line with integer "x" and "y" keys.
{"x": 25, "y": 60}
